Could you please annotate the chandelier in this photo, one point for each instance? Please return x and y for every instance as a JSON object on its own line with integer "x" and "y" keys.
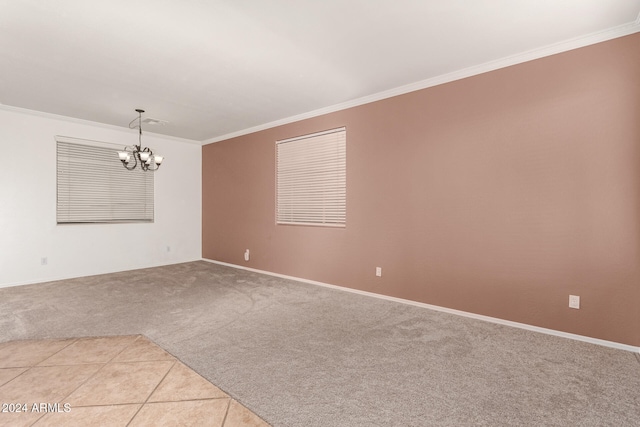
{"x": 148, "y": 161}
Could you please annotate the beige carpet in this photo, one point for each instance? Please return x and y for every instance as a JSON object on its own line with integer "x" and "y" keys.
{"x": 302, "y": 355}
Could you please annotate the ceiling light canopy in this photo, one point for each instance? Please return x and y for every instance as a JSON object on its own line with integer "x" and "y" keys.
{"x": 148, "y": 161}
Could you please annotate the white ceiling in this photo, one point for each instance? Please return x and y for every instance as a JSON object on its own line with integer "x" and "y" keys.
{"x": 220, "y": 68}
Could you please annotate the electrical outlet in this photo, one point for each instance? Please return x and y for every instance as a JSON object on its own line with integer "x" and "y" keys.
{"x": 168, "y": 248}
{"x": 379, "y": 271}
{"x": 246, "y": 255}
{"x": 43, "y": 261}
{"x": 574, "y": 301}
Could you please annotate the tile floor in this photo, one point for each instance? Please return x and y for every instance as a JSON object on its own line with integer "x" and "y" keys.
{"x": 108, "y": 381}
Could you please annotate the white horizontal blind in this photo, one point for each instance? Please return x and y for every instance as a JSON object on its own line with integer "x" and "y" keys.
{"x": 311, "y": 179}
{"x": 94, "y": 187}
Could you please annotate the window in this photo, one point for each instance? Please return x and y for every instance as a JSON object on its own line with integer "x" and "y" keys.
{"x": 94, "y": 187}
{"x": 311, "y": 179}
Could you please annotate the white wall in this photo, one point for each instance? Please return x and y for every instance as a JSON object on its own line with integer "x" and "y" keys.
{"x": 28, "y": 230}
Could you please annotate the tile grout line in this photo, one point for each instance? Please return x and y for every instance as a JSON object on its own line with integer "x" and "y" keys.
{"x": 159, "y": 401}
{"x": 153, "y": 391}
{"x": 29, "y": 367}
{"x": 75, "y": 340}
{"x": 224, "y": 420}
{"x": 112, "y": 361}
{"x": 177, "y": 401}
{"x": 126, "y": 347}
{"x": 90, "y": 376}
{"x": 175, "y": 362}
{"x": 33, "y": 366}
{"x": 36, "y": 365}
{"x": 138, "y": 336}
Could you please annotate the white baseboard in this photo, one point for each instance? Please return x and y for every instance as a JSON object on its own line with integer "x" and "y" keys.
{"x": 96, "y": 273}
{"x": 568, "y": 335}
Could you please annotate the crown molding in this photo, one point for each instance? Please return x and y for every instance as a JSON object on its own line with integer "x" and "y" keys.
{"x": 52, "y": 116}
{"x": 553, "y": 49}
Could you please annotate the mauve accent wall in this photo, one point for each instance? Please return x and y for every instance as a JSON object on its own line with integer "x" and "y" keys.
{"x": 499, "y": 194}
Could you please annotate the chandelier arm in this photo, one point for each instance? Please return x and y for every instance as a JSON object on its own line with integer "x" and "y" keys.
{"x": 148, "y": 168}
{"x": 135, "y": 162}
{"x": 129, "y": 168}
{"x": 138, "y": 152}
